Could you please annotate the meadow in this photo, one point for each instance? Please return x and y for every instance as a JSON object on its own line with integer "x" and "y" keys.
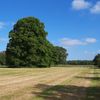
{"x": 55, "y": 83}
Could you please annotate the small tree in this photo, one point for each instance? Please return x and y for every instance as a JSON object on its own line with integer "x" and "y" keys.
{"x": 97, "y": 60}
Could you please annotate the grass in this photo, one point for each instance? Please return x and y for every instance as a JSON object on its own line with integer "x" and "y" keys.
{"x": 93, "y": 92}
{"x": 56, "y": 83}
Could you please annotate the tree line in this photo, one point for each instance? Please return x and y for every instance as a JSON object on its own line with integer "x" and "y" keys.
{"x": 80, "y": 62}
{"x": 95, "y": 61}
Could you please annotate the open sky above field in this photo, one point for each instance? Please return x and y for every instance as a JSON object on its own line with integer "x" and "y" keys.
{"x": 73, "y": 24}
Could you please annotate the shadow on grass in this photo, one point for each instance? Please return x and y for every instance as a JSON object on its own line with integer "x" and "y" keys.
{"x": 94, "y": 77}
{"x": 94, "y": 73}
{"x": 67, "y": 92}
{"x": 89, "y": 78}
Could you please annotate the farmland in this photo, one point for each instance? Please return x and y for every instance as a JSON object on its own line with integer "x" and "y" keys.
{"x": 55, "y": 83}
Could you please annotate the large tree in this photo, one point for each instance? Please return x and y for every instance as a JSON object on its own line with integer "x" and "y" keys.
{"x": 28, "y": 45}
{"x": 97, "y": 60}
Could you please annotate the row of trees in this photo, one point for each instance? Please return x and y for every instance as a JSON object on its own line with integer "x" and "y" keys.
{"x": 95, "y": 61}
{"x": 29, "y": 46}
{"x": 80, "y": 62}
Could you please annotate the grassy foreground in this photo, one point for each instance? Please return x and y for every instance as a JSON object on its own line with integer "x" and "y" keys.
{"x": 56, "y": 83}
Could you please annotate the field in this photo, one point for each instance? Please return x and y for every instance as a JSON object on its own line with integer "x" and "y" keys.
{"x": 55, "y": 83}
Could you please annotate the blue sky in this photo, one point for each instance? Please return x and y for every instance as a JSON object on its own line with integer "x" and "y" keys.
{"x": 72, "y": 24}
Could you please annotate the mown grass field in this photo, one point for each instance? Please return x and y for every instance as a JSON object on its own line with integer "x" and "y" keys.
{"x": 55, "y": 83}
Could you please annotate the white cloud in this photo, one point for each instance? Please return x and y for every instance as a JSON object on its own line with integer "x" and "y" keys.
{"x": 76, "y": 42}
{"x": 91, "y": 54}
{"x": 12, "y": 23}
{"x": 84, "y": 4}
{"x": 98, "y": 51}
{"x": 71, "y": 42}
{"x": 80, "y": 4}
{"x": 96, "y": 8}
{"x": 91, "y": 40}
{"x": 6, "y": 24}
{"x": 3, "y": 40}
{"x": 2, "y": 24}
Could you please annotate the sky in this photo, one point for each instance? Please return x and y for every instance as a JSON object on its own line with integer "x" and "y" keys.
{"x": 72, "y": 24}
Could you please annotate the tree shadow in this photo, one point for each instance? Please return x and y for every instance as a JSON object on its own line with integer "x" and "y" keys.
{"x": 67, "y": 92}
{"x": 89, "y": 78}
{"x": 94, "y": 73}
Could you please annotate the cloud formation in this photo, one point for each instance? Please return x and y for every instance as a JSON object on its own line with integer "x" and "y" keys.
{"x": 5, "y": 24}
{"x": 96, "y": 8}
{"x": 76, "y": 42}
{"x": 84, "y": 4}
{"x": 98, "y": 51}
{"x": 80, "y": 4}
{"x": 3, "y": 40}
{"x": 2, "y": 24}
{"x": 91, "y": 40}
{"x": 91, "y": 54}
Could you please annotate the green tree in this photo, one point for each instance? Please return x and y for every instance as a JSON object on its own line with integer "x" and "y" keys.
{"x": 28, "y": 44}
{"x": 97, "y": 60}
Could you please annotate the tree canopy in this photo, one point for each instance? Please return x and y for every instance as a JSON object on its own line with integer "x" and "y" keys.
{"x": 29, "y": 46}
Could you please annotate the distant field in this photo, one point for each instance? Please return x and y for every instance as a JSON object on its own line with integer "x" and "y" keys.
{"x": 55, "y": 83}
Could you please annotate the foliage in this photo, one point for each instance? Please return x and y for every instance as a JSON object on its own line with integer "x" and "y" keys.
{"x": 28, "y": 45}
{"x": 2, "y": 58}
{"x": 97, "y": 60}
{"x": 59, "y": 55}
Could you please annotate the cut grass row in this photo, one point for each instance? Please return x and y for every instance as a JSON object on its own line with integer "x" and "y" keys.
{"x": 73, "y": 88}
{"x": 85, "y": 86}
{"x": 71, "y": 83}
